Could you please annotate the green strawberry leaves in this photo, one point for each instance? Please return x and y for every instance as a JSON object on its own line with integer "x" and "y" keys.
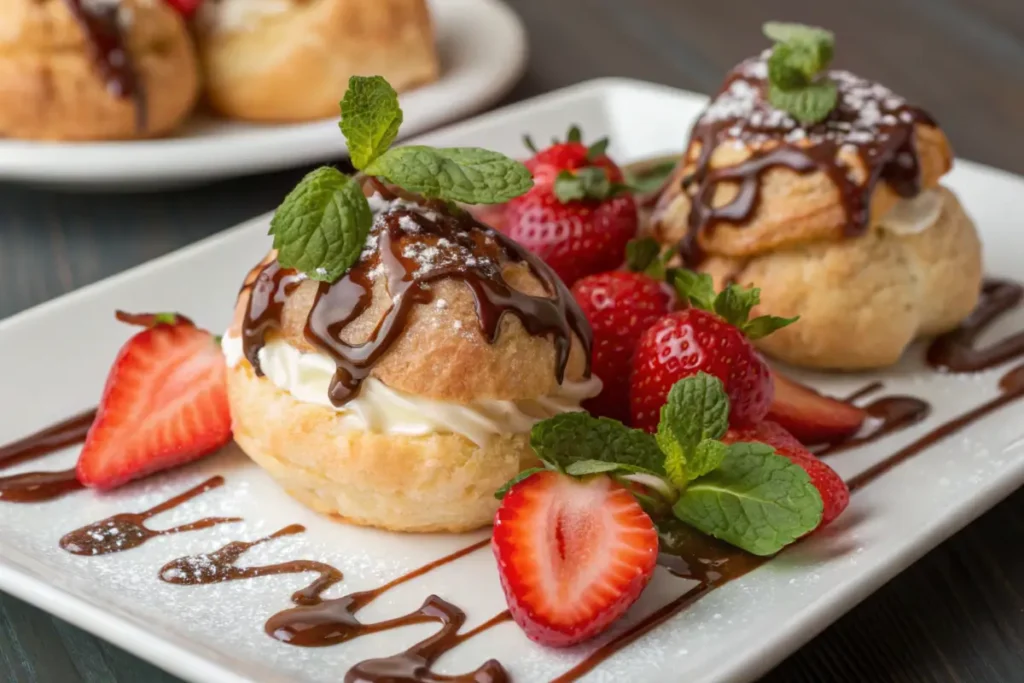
{"x": 321, "y": 226}
{"x": 756, "y": 500}
{"x": 645, "y": 255}
{"x": 744, "y": 494}
{"x": 733, "y": 304}
{"x": 800, "y": 56}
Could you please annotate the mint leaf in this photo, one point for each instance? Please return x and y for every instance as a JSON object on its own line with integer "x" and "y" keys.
{"x": 697, "y": 288}
{"x": 696, "y": 411}
{"x": 756, "y": 500}
{"x": 581, "y": 468}
{"x": 320, "y": 228}
{"x": 787, "y": 32}
{"x": 734, "y": 304}
{"x": 765, "y": 325}
{"x": 641, "y": 253}
{"x": 370, "y": 118}
{"x": 461, "y": 174}
{"x": 807, "y": 105}
{"x": 569, "y": 438}
{"x": 707, "y": 456}
{"x": 525, "y": 474}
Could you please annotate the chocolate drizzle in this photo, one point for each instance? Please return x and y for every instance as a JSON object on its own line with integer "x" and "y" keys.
{"x": 1011, "y": 388}
{"x": 34, "y": 487}
{"x": 105, "y": 34}
{"x": 219, "y": 566}
{"x": 869, "y": 120}
{"x": 128, "y": 530}
{"x": 956, "y": 351}
{"x": 887, "y": 415}
{"x": 414, "y": 243}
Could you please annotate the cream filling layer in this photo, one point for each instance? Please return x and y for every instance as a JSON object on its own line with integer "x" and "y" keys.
{"x": 914, "y": 215}
{"x": 379, "y": 408}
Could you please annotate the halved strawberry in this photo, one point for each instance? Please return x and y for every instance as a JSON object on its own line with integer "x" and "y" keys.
{"x": 835, "y": 495}
{"x": 573, "y": 555}
{"x": 185, "y": 8}
{"x": 165, "y": 403}
{"x": 811, "y": 417}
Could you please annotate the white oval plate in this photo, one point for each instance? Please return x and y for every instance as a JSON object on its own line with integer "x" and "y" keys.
{"x": 483, "y": 52}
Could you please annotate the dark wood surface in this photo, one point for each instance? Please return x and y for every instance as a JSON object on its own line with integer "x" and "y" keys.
{"x": 956, "y": 615}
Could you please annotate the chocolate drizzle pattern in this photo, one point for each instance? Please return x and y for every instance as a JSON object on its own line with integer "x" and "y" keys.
{"x": 956, "y": 351}
{"x": 128, "y": 530}
{"x": 887, "y": 415}
{"x": 869, "y": 120}
{"x": 101, "y": 22}
{"x": 413, "y": 243}
{"x": 35, "y": 487}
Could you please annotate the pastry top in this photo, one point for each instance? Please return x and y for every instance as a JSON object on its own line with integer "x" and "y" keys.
{"x": 438, "y": 306}
{"x": 43, "y": 25}
{"x": 754, "y": 179}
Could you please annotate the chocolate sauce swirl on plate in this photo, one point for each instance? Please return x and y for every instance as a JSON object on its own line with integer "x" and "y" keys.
{"x": 35, "y": 487}
{"x": 101, "y": 22}
{"x": 127, "y": 530}
{"x": 957, "y": 351}
{"x": 413, "y": 243}
{"x": 868, "y": 120}
{"x": 886, "y": 415}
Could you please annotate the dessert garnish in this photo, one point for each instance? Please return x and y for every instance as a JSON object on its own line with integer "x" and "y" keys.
{"x": 956, "y": 350}
{"x": 712, "y": 336}
{"x": 620, "y": 305}
{"x": 580, "y": 213}
{"x": 34, "y": 487}
{"x": 811, "y": 417}
{"x": 186, "y": 8}
{"x": 797, "y": 82}
{"x": 321, "y": 227}
{"x": 164, "y": 404}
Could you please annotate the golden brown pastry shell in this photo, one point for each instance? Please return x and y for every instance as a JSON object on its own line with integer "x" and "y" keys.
{"x": 794, "y": 208}
{"x": 442, "y": 353}
{"x": 863, "y": 300}
{"x": 51, "y": 88}
{"x": 295, "y": 65}
{"x": 439, "y": 482}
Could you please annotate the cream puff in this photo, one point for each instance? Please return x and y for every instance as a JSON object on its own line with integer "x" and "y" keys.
{"x": 402, "y": 395}
{"x": 94, "y": 69}
{"x": 290, "y": 60}
{"x": 843, "y": 222}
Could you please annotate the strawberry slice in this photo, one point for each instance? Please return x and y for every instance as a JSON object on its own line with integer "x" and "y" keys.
{"x": 186, "y": 8}
{"x": 165, "y": 403}
{"x": 835, "y": 495}
{"x": 811, "y": 417}
{"x": 573, "y": 555}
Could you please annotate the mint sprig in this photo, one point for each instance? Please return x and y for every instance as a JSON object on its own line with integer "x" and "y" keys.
{"x": 796, "y": 80}
{"x": 733, "y": 304}
{"x": 320, "y": 228}
{"x": 745, "y": 494}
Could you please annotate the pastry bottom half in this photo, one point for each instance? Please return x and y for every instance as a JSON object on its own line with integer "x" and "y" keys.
{"x": 863, "y": 300}
{"x": 438, "y": 482}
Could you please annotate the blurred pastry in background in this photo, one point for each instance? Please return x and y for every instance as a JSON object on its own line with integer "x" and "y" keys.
{"x": 94, "y": 69}
{"x": 290, "y": 60}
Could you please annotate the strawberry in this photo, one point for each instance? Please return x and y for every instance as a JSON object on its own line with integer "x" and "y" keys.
{"x": 186, "y": 8}
{"x": 165, "y": 403}
{"x": 811, "y": 417}
{"x": 572, "y": 555}
{"x": 620, "y": 305}
{"x": 712, "y": 336}
{"x": 578, "y": 216}
{"x": 834, "y": 493}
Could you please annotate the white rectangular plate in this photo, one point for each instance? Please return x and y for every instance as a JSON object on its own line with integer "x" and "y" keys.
{"x": 58, "y": 355}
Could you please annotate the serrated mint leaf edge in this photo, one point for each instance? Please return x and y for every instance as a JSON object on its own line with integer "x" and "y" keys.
{"x": 366, "y": 137}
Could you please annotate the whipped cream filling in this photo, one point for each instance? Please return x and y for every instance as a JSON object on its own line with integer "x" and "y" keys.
{"x": 914, "y": 215}
{"x": 379, "y": 408}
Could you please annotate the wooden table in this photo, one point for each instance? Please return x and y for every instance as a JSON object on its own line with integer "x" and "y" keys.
{"x": 955, "y": 615}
